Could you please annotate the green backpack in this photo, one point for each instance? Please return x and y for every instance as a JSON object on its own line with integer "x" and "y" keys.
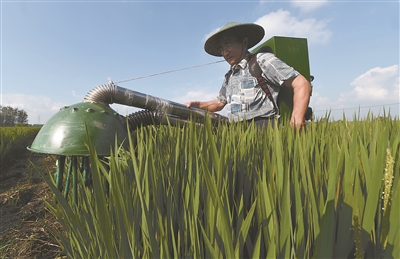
{"x": 285, "y": 95}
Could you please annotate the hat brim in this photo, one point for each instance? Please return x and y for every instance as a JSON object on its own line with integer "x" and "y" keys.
{"x": 253, "y": 32}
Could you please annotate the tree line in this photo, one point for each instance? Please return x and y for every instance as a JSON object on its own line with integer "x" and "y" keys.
{"x": 10, "y": 116}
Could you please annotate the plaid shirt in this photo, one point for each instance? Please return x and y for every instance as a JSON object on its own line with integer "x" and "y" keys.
{"x": 243, "y": 96}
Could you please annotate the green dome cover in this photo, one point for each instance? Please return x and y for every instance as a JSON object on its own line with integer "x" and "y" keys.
{"x": 65, "y": 133}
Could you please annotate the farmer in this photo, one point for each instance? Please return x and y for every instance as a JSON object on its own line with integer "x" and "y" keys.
{"x": 240, "y": 91}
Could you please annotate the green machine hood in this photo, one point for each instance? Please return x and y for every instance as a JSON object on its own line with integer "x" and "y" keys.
{"x": 65, "y": 132}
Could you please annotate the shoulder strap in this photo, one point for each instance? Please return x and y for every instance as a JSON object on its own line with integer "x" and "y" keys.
{"x": 255, "y": 70}
{"x": 284, "y": 94}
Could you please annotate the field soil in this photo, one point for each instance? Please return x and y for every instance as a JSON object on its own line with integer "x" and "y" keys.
{"x": 25, "y": 222}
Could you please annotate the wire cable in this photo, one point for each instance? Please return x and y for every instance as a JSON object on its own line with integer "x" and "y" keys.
{"x": 363, "y": 107}
{"x": 170, "y": 71}
{"x": 219, "y": 61}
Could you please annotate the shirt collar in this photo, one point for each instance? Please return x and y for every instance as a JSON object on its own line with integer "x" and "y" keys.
{"x": 242, "y": 64}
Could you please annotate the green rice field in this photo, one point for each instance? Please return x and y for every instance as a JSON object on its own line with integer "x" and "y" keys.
{"x": 234, "y": 191}
{"x": 14, "y": 140}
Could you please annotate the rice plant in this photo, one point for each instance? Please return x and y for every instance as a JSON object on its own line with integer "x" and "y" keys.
{"x": 234, "y": 191}
{"x": 13, "y": 141}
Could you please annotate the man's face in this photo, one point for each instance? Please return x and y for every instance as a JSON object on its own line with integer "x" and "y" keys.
{"x": 231, "y": 49}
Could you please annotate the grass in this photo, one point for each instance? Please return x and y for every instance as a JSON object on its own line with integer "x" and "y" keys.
{"x": 14, "y": 141}
{"x": 234, "y": 191}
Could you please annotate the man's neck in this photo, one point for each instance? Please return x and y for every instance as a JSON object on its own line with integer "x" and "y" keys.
{"x": 246, "y": 56}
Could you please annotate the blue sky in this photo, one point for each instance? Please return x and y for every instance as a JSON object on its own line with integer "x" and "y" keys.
{"x": 54, "y": 52}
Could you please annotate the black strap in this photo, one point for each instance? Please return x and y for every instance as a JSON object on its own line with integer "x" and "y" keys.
{"x": 255, "y": 70}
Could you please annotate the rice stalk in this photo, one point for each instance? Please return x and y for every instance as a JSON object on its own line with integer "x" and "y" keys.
{"x": 387, "y": 196}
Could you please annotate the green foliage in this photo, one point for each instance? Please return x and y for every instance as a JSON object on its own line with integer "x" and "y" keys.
{"x": 330, "y": 191}
{"x": 13, "y": 140}
{"x": 10, "y": 116}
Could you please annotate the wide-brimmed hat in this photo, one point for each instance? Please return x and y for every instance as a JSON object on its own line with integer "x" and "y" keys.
{"x": 252, "y": 31}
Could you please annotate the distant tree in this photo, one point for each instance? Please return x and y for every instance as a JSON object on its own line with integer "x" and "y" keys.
{"x": 22, "y": 117}
{"x": 7, "y": 116}
{"x": 10, "y": 116}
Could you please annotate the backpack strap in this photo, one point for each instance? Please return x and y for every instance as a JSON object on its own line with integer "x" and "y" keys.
{"x": 255, "y": 71}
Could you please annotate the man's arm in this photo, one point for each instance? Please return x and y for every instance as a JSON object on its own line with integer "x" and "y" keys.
{"x": 302, "y": 90}
{"x": 211, "y": 106}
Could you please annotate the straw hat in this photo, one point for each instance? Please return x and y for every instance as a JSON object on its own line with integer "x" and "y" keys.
{"x": 252, "y": 31}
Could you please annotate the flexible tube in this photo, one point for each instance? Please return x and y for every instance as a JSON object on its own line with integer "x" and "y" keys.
{"x": 111, "y": 93}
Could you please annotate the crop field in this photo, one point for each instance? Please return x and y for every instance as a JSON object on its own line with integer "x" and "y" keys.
{"x": 14, "y": 140}
{"x": 233, "y": 191}
{"x": 25, "y": 223}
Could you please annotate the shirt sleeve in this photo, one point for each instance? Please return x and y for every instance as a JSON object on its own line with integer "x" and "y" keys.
{"x": 222, "y": 93}
{"x": 274, "y": 69}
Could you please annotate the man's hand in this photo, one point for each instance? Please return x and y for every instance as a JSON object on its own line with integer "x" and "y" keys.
{"x": 297, "y": 123}
{"x": 211, "y": 106}
{"x": 194, "y": 104}
{"x": 301, "y": 98}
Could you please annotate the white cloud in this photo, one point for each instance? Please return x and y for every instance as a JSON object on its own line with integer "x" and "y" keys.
{"x": 78, "y": 96}
{"x": 309, "y": 5}
{"x": 210, "y": 33}
{"x": 377, "y": 84}
{"x": 282, "y": 23}
{"x": 124, "y": 110}
{"x": 198, "y": 95}
{"x": 318, "y": 100}
{"x": 38, "y": 108}
{"x": 371, "y": 91}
